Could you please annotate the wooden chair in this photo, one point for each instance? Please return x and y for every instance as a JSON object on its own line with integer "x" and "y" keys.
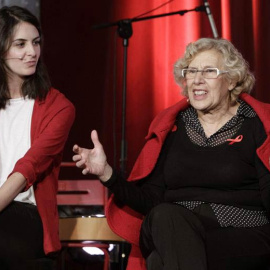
{"x": 86, "y": 231}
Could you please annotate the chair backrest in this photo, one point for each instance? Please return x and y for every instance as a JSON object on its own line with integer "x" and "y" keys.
{"x": 83, "y": 193}
{"x": 80, "y": 191}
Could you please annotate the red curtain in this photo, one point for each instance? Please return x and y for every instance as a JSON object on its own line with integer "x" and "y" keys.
{"x": 155, "y": 46}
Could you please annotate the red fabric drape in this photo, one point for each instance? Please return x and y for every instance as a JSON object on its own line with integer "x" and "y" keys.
{"x": 156, "y": 44}
{"x": 80, "y": 59}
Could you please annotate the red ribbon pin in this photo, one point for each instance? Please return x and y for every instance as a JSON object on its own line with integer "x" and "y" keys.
{"x": 239, "y": 138}
{"x": 174, "y": 128}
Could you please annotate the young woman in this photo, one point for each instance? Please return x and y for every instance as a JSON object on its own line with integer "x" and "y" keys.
{"x": 35, "y": 120}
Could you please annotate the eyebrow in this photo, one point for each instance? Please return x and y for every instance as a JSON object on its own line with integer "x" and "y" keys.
{"x": 22, "y": 39}
{"x": 203, "y": 67}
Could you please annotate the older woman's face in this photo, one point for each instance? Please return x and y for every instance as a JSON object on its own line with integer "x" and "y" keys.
{"x": 208, "y": 95}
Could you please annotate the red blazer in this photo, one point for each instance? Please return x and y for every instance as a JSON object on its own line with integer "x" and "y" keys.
{"x": 126, "y": 222}
{"x": 51, "y": 121}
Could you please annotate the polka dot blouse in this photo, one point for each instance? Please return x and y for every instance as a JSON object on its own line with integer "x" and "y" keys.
{"x": 226, "y": 215}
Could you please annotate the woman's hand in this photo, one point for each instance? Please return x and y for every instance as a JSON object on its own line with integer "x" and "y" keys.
{"x": 93, "y": 161}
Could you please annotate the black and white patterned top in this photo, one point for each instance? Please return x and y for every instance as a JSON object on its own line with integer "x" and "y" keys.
{"x": 196, "y": 133}
{"x": 226, "y": 215}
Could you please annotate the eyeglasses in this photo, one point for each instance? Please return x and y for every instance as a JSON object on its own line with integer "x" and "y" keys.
{"x": 207, "y": 73}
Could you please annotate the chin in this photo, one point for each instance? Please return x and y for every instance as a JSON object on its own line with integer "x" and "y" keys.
{"x": 200, "y": 107}
{"x": 197, "y": 103}
{"x": 26, "y": 74}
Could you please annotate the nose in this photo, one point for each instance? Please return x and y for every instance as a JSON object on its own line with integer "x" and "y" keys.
{"x": 31, "y": 50}
{"x": 198, "y": 77}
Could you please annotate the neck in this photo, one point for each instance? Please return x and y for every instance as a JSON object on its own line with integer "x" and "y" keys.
{"x": 212, "y": 121}
{"x": 15, "y": 88}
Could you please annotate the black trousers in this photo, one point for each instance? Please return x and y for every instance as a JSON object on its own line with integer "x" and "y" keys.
{"x": 173, "y": 238}
{"x": 21, "y": 237}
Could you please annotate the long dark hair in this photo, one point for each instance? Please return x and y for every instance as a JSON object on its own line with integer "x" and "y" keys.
{"x": 34, "y": 86}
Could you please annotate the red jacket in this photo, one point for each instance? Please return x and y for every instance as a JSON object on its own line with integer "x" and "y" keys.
{"x": 126, "y": 222}
{"x": 51, "y": 121}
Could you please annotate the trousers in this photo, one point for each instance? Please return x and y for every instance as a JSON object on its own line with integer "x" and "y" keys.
{"x": 21, "y": 235}
{"x": 175, "y": 238}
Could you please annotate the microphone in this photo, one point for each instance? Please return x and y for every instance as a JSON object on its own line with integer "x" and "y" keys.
{"x": 211, "y": 19}
{"x": 18, "y": 58}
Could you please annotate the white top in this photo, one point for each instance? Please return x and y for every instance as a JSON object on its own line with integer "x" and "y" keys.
{"x": 15, "y": 139}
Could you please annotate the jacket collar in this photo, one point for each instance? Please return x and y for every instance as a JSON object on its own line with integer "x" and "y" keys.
{"x": 262, "y": 110}
{"x": 165, "y": 120}
{"x": 163, "y": 123}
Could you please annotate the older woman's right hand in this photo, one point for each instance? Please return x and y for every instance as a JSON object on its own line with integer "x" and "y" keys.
{"x": 93, "y": 161}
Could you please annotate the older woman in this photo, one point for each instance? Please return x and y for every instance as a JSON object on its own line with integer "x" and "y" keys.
{"x": 202, "y": 179}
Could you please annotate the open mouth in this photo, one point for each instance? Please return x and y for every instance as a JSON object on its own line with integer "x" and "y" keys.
{"x": 199, "y": 92}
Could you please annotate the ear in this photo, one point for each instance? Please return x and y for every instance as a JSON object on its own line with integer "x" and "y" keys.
{"x": 231, "y": 85}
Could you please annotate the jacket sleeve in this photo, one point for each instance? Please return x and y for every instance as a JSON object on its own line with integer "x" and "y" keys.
{"x": 144, "y": 194}
{"x": 50, "y": 124}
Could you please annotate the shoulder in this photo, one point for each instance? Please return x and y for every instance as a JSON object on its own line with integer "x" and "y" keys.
{"x": 167, "y": 117}
{"x": 55, "y": 104}
{"x": 258, "y": 106}
{"x": 262, "y": 110}
{"x": 55, "y": 99}
{"x": 56, "y": 95}
{"x": 256, "y": 128}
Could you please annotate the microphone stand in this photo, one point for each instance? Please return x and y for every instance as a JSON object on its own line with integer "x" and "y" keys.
{"x": 179, "y": 12}
{"x": 125, "y": 32}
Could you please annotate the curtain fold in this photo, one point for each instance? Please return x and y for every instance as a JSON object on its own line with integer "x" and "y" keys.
{"x": 156, "y": 44}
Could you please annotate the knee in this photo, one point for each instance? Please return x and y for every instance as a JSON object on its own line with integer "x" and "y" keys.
{"x": 166, "y": 214}
{"x": 164, "y": 211}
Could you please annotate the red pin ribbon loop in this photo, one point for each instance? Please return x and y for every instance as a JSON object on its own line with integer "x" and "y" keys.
{"x": 239, "y": 138}
{"x": 174, "y": 128}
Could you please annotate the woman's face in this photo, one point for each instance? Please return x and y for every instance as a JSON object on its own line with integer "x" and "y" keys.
{"x": 208, "y": 95}
{"x": 24, "y": 52}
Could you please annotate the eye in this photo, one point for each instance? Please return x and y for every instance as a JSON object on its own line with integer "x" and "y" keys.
{"x": 210, "y": 70}
{"x": 37, "y": 42}
{"x": 20, "y": 44}
{"x": 192, "y": 71}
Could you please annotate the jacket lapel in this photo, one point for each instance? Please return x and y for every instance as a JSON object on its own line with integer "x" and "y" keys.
{"x": 157, "y": 134}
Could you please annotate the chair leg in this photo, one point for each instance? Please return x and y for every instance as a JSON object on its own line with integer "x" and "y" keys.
{"x": 106, "y": 265}
{"x": 63, "y": 258}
